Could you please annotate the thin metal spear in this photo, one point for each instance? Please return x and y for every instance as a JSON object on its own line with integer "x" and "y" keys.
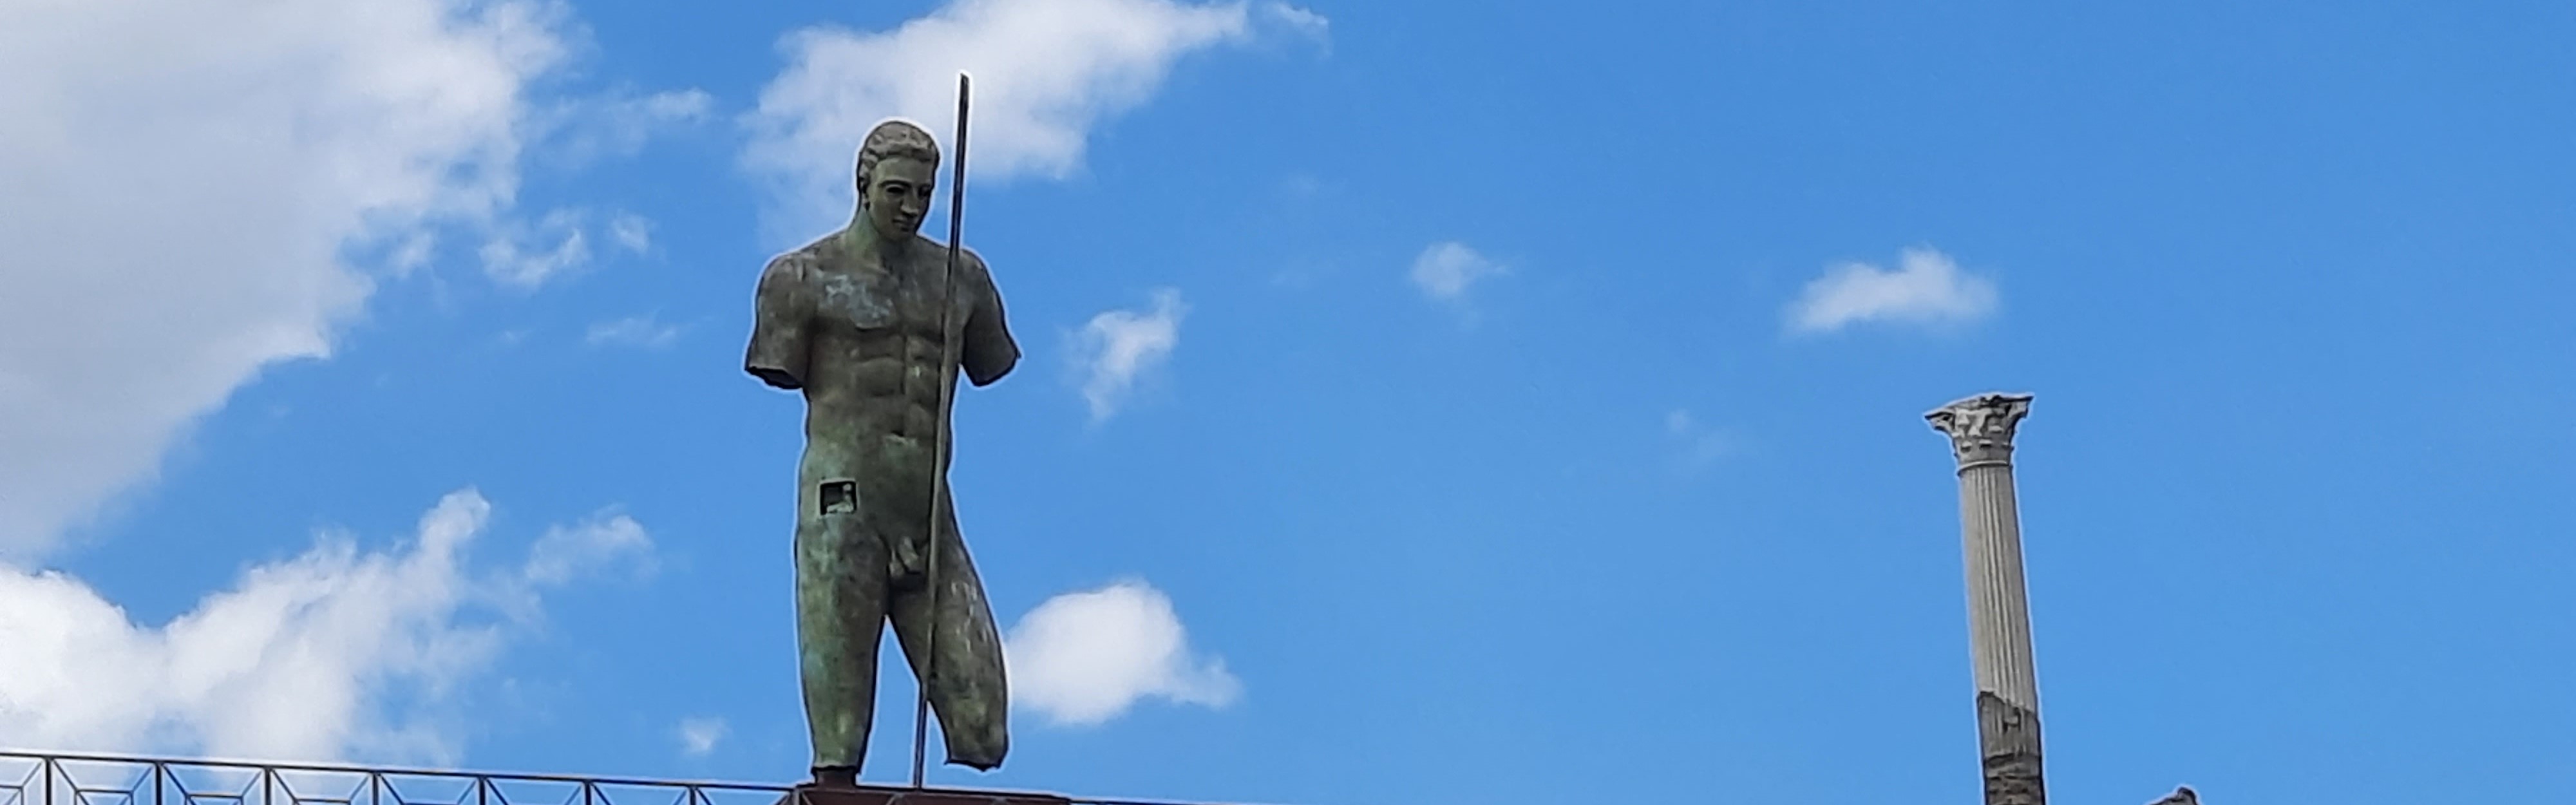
{"x": 939, "y": 453}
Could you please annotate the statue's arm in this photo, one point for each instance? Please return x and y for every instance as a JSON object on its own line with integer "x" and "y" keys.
{"x": 990, "y": 352}
{"x": 780, "y": 310}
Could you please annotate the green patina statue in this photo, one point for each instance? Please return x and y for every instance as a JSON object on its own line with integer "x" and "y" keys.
{"x": 854, "y": 322}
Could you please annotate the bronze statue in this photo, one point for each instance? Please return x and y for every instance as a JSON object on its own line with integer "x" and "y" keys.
{"x": 854, "y": 321}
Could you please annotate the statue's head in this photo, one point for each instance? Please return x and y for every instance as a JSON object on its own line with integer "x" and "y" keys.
{"x": 898, "y": 170}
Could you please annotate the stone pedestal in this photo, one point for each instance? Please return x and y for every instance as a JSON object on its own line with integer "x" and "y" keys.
{"x": 1981, "y": 438}
{"x": 810, "y": 794}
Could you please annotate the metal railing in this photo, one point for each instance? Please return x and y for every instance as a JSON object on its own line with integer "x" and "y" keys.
{"x": 28, "y": 778}
{"x": 63, "y": 778}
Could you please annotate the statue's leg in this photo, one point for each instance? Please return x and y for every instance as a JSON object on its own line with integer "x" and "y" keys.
{"x": 840, "y": 613}
{"x": 967, "y": 691}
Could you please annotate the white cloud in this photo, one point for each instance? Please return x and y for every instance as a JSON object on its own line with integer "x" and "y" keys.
{"x": 1446, "y": 269}
{"x": 699, "y": 736}
{"x": 1118, "y": 346}
{"x": 618, "y": 124}
{"x": 1084, "y": 658}
{"x": 631, "y": 232}
{"x": 1299, "y": 19}
{"x": 1927, "y": 288}
{"x": 412, "y": 253}
{"x": 1700, "y": 443}
{"x": 510, "y": 261}
{"x": 298, "y": 660}
{"x": 605, "y": 540}
{"x": 1045, "y": 72}
{"x": 673, "y": 106}
{"x": 526, "y": 256}
{"x": 633, "y": 331}
{"x": 185, "y": 186}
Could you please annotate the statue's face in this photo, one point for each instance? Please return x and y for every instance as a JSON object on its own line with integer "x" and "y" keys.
{"x": 897, "y": 195}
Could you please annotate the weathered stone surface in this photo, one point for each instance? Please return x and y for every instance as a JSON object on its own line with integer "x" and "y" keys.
{"x": 2180, "y": 796}
{"x": 2008, "y": 737}
{"x": 1981, "y": 428}
{"x": 1981, "y": 431}
{"x": 873, "y": 326}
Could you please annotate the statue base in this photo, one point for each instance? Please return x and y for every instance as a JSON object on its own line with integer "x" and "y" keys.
{"x": 811, "y": 794}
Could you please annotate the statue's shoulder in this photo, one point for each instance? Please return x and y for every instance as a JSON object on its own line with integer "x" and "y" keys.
{"x": 967, "y": 259}
{"x": 796, "y": 264}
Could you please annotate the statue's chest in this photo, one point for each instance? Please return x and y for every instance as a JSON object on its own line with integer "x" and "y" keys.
{"x": 872, "y": 298}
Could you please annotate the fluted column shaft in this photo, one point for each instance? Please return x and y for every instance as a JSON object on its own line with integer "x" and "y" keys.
{"x": 1981, "y": 431}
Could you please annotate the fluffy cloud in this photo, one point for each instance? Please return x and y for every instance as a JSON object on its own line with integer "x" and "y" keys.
{"x": 1447, "y": 269}
{"x": 297, "y": 660}
{"x": 1927, "y": 288}
{"x": 528, "y": 257}
{"x": 187, "y": 184}
{"x": 1045, "y": 72}
{"x": 1299, "y": 20}
{"x": 631, "y": 232}
{"x": 1118, "y": 346}
{"x": 699, "y": 736}
{"x": 1700, "y": 443}
{"x": 583, "y": 130}
{"x": 1086, "y": 657}
{"x": 606, "y": 540}
{"x": 633, "y": 331}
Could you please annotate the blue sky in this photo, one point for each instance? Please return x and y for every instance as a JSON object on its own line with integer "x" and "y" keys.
{"x": 1524, "y": 401}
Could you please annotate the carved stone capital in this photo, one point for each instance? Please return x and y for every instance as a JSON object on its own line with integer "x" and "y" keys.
{"x": 1981, "y": 427}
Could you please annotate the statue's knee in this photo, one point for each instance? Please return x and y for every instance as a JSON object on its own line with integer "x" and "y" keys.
{"x": 981, "y": 748}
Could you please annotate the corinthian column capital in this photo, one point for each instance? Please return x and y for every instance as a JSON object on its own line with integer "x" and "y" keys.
{"x": 1981, "y": 427}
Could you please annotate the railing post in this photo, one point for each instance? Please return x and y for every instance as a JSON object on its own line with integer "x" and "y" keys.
{"x": 47, "y": 766}
{"x": 160, "y": 780}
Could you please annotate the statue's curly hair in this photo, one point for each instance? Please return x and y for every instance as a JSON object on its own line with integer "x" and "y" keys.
{"x": 895, "y": 138}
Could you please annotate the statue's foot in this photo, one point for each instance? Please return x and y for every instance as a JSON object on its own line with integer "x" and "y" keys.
{"x": 836, "y": 777}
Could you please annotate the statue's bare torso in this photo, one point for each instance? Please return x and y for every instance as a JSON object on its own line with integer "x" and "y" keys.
{"x": 869, "y": 319}
{"x": 856, "y": 327}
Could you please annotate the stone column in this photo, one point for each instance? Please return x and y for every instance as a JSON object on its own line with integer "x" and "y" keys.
{"x": 1981, "y": 437}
